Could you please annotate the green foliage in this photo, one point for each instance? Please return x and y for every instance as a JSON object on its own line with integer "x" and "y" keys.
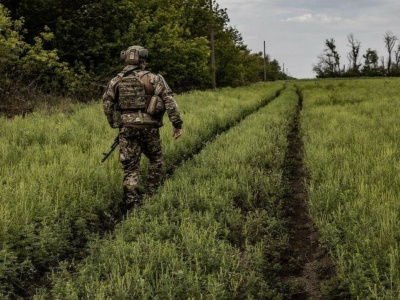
{"x": 328, "y": 64}
{"x": 11, "y": 44}
{"x": 28, "y": 67}
{"x": 371, "y": 61}
{"x": 351, "y": 132}
{"x": 55, "y": 193}
{"x": 210, "y": 232}
{"x": 88, "y": 37}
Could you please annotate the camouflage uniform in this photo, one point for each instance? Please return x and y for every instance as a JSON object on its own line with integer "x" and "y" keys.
{"x": 135, "y": 138}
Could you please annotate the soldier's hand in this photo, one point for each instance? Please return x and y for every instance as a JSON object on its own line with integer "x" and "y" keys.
{"x": 177, "y": 133}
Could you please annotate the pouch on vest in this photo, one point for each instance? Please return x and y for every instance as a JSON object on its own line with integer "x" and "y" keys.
{"x": 138, "y": 119}
{"x": 156, "y": 107}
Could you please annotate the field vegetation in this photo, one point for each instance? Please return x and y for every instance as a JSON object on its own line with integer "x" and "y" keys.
{"x": 351, "y": 134}
{"x": 218, "y": 227}
{"x": 215, "y": 230}
{"x": 55, "y": 194}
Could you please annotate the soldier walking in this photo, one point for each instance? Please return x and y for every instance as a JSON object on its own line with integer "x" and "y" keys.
{"x": 135, "y": 102}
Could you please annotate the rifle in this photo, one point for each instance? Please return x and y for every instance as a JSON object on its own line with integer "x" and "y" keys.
{"x": 113, "y": 146}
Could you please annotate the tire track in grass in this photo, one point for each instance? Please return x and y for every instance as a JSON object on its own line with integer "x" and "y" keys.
{"x": 170, "y": 168}
{"x": 218, "y": 235}
{"x": 307, "y": 265}
{"x": 117, "y": 212}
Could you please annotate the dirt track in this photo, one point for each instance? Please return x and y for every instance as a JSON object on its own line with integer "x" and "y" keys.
{"x": 308, "y": 264}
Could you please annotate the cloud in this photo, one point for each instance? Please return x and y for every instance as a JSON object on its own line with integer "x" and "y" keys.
{"x": 316, "y": 18}
{"x": 300, "y": 19}
{"x": 295, "y": 31}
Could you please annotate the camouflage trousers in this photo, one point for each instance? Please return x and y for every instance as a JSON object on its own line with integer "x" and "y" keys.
{"x": 133, "y": 142}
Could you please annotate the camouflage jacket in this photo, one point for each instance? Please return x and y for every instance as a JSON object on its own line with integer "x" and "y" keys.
{"x": 160, "y": 87}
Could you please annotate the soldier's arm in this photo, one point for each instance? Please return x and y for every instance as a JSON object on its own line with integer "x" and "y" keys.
{"x": 162, "y": 89}
{"x": 110, "y": 100}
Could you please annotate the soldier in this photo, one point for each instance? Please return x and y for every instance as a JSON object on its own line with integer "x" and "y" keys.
{"x": 135, "y": 102}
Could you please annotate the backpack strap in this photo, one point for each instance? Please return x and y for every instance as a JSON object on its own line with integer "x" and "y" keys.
{"x": 148, "y": 87}
{"x": 127, "y": 73}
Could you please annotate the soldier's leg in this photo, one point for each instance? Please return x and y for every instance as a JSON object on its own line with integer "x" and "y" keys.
{"x": 130, "y": 160}
{"x": 153, "y": 150}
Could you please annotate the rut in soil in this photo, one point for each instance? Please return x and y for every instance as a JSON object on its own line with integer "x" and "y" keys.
{"x": 117, "y": 213}
{"x": 307, "y": 264}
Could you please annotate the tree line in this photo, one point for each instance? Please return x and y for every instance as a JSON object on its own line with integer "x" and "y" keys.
{"x": 368, "y": 64}
{"x": 72, "y": 47}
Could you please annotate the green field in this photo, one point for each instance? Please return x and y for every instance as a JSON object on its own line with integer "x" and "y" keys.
{"x": 351, "y": 133}
{"x": 218, "y": 228}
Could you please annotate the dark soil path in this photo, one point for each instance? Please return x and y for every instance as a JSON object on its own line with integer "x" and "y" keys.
{"x": 307, "y": 264}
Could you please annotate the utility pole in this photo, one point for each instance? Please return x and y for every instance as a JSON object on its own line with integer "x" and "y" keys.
{"x": 214, "y": 80}
{"x": 265, "y": 66}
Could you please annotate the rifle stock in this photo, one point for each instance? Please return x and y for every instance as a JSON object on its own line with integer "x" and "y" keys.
{"x": 113, "y": 146}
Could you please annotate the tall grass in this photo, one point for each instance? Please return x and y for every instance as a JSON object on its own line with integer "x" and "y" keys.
{"x": 351, "y": 133}
{"x": 215, "y": 230}
{"x": 55, "y": 194}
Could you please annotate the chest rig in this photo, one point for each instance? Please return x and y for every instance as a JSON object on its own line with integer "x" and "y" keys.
{"x": 134, "y": 91}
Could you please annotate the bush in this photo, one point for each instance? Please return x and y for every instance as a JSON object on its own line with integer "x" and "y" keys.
{"x": 29, "y": 70}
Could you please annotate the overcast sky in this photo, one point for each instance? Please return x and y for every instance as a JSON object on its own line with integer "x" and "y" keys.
{"x": 295, "y": 30}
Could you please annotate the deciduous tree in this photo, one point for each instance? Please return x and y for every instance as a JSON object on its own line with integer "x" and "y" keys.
{"x": 390, "y": 41}
{"x": 328, "y": 64}
{"x": 371, "y": 61}
{"x": 88, "y": 36}
{"x": 355, "y": 45}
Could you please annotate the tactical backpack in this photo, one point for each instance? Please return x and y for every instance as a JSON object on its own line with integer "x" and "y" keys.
{"x": 131, "y": 91}
{"x": 134, "y": 94}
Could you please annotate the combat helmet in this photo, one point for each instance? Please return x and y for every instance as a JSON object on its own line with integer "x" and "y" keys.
{"x": 133, "y": 55}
